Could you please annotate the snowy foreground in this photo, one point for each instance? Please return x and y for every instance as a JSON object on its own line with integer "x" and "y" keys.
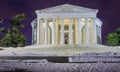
{"x": 87, "y": 58}
{"x": 44, "y": 66}
{"x": 87, "y": 62}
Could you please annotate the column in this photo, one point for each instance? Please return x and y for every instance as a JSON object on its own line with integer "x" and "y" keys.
{"x": 62, "y": 31}
{"x": 32, "y": 32}
{"x": 79, "y": 31}
{"x": 100, "y": 35}
{"x": 87, "y": 34}
{"x": 35, "y": 34}
{"x": 38, "y": 31}
{"x": 71, "y": 31}
{"x": 95, "y": 32}
{"x": 46, "y": 32}
{"x": 53, "y": 33}
{"x": 56, "y": 27}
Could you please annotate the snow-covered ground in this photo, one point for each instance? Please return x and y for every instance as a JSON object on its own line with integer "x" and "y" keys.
{"x": 44, "y": 66}
{"x": 77, "y": 53}
{"x": 60, "y": 50}
{"x": 96, "y": 57}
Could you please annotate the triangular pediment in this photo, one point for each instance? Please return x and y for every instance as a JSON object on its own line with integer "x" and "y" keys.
{"x": 67, "y": 8}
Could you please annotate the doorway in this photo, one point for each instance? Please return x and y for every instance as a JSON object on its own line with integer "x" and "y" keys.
{"x": 66, "y": 38}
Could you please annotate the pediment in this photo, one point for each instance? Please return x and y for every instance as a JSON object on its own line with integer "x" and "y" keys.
{"x": 66, "y": 8}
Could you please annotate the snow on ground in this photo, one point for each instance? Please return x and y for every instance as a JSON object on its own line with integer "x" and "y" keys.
{"x": 74, "y": 51}
{"x": 60, "y": 50}
{"x": 96, "y": 57}
{"x": 44, "y": 66}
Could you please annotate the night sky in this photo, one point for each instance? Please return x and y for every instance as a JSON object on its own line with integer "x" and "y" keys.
{"x": 109, "y": 12}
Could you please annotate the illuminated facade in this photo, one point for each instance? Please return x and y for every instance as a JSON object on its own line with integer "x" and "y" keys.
{"x": 66, "y": 24}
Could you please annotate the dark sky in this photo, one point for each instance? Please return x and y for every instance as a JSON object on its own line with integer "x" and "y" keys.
{"x": 109, "y": 12}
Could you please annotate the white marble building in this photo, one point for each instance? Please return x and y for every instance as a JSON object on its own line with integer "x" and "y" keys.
{"x": 66, "y": 24}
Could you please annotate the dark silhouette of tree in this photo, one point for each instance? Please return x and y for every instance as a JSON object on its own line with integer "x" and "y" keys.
{"x": 13, "y": 37}
{"x": 1, "y": 28}
{"x": 113, "y": 39}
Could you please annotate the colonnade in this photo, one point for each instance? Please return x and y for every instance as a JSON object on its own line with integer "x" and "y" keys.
{"x": 85, "y": 31}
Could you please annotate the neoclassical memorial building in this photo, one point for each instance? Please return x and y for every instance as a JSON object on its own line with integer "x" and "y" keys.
{"x": 66, "y": 24}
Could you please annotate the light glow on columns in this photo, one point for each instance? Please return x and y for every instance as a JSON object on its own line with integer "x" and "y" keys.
{"x": 83, "y": 19}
